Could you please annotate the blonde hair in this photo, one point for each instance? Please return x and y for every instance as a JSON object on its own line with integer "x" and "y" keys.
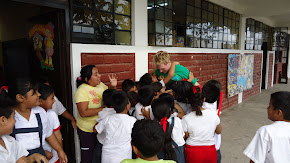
{"x": 161, "y": 57}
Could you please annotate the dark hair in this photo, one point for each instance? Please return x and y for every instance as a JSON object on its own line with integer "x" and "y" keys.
{"x": 210, "y": 93}
{"x": 146, "y": 95}
{"x": 157, "y": 86}
{"x": 146, "y": 79}
{"x": 133, "y": 98}
{"x": 127, "y": 85}
{"x": 6, "y": 104}
{"x": 43, "y": 79}
{"x": 45, "y": 91}
{"x": 195, "y": 100}
{"x": 119, "y": 101}
{"x": 281, "y": 100}
{"x": 148, "y": 137}
{"x": 86, "y": 72}
{"x": 182, "y": 90}
{"x": 169, "y": 98}
{"x": 107, "y": 97}
{"x": 215, "y": 83}
{"x": 161, "y": 109}
{"x": 21, "y": 86}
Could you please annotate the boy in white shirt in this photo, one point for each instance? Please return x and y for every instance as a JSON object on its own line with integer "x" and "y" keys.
{"x": 12, "y": 151}
{"x": 46, "y": 101}
{"x": 271, "y": 144}
{"x": 145, "y": 95}
{"x": 117, "y": 129}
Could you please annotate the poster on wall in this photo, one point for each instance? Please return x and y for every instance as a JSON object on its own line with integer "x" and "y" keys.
{"x": 240, "y": 73}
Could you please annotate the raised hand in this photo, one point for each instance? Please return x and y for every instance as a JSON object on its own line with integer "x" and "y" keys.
{"x": 113, "y": 80}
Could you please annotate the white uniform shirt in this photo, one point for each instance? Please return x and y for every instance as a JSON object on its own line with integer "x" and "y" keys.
{"x": 102, "y": 115}
{"x": 55, "y": 125}
{"x": 31, "y": 140}
{"x": 201, "y": 129}
{"x": 217, "y": 137}
{"x": 58, "y": 107}
{"x": 138, "y": 113}
{"x": 14, "y": 150}
{"x": 186, "y": 107}
{"x": 117, "y": 142}
{"x": 271, "y": 144}
{"x": 177, "y": 131}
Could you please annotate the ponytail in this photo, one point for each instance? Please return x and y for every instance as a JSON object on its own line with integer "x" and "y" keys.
{"x": 195, "y": 100}
{"x": 169, "y": 153}
{"x": 86, "y": 72}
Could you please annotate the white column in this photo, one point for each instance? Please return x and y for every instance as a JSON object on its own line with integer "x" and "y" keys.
{"x": 242, "y": 32}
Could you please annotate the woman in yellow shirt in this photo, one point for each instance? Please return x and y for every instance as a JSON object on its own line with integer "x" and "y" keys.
{"x": 89, "y": 99}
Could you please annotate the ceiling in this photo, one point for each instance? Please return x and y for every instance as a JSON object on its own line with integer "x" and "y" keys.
{"x": 275, "y": 13}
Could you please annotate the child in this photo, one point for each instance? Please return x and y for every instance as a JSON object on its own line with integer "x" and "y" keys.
{"x": 175, "y": 107}
{"x": 117, "y": 129}
{"x": 145, "y": 96}
{"x": 58, "y": 107}
{"x": 272, "y": 142}
{"x": 46, "y": 102}
{"x": 133, "y": 98}
{"x": 163, "y": 64}
{"x": 11, "y": 151}
{"x": 32, "y": 127}
{"x": 212, "y": 92}
{"x": 128, "y": 86}
{"x": 199, "y": 127}
{"x": 147, "y": 141}
{"x": 172, "y": 127}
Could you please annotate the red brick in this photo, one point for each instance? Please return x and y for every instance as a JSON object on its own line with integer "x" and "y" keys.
{"x": 95, "y": 59}
{"x": 111, "y": 59}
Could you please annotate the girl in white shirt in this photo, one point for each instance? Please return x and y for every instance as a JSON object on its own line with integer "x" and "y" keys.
{"x": 199, "y": 127}
{"x": 32, "y": 128}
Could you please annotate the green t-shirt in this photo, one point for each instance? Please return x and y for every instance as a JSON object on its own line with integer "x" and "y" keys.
{"x": 140, "y": 160}
{"x": 180, "y": 73}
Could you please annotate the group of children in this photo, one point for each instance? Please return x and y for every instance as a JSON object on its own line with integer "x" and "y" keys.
{"x": 154, "y": 120}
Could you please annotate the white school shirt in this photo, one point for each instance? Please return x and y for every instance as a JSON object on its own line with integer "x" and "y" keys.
{"x": 138, "y": 111}
{"x": 117, "y": 142}
{"x": 217, "y": 137}
{"x": 102, "y": 115}
{"x": 31, "y": 140}
{"x": 201, "y": 129}
{"x": 55, "y": 125}
{"x": 177, "y": 131}
{"x": 14, "y": 150}
{"x": 271, "y": 144}
{"x": 58, "y": 107}
{"x": 186, "y": 107}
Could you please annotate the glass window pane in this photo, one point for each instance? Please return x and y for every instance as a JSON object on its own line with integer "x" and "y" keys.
{"x": 215, "y": 35}
{"x": 230, "y": 14}
{"x": 210, "y": 17}
{"x": 104, "y": 20}
{"x": 123, "y": 37}
{"x": 216, "y": 18}
{"x": 104, "y": 35}
{"x": 86, "y": 3}
{"x": 151, "y": 14}
{"x": 191, "y": 3}
{"x": 82, "y": 16}
{"x": 196, "y": 42}
{"x": 105, "y": 5}
{"x": 220, "y": 43}
{"x": 151, "y": 27}
{"x": 204, "y": 33}
{"x": 123, "y": 7}
{"x": 123, "y": 22}
{"x": 197, "y": 13}
{"x": 189, "y": 42}
{"x": 168, "y": 4}
{"x": 160, "y": 2}
{"x": 197, "y": 23}
{"x": 226, "y": 13}
{"x": 159, "y": 26}
{"x": 198, "y": 3}
{"x": 204, "y": 24}
{"x": 168, "y": 15}
{"x": 204, "y": 14}
{"x": 189, "y": 29}
{"x": 168, "y": 40}
{"x": 168, "y": 28}
{"x": 190, "y": 10}
{"x": 215, "y": 44}
{"x": 216, "y": 9}
{"x": 203, "y": 43}
{"x": 221, "y": 11}
{"x": 209, "y": 43}
{"x": 159, "y": 13}
{"x": 221, "y": 20}
{"x": 151, "y": 40}
{"x": 179, "y": 41}
{"x": 204, "y": 5}
{"x": 210, "y": 7}
{"x": 159, "y": 39}
{"x": 197, "y": 32}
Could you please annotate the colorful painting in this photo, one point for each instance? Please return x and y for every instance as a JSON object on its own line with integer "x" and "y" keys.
{"x": 240, "y": 73}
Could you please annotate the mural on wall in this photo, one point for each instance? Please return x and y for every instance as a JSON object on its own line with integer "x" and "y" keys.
{"x": 240, "y": 73}
{"x": 36, "y": 33}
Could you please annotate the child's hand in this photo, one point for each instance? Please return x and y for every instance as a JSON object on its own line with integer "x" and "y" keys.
{"x": 190, "y": 77}
{"x": 94, "y": 129}
{"x": 145, "y": 113}
{"x": 23, "y": 159}
{"x": 176, "y": 63}
{"x": 154, "y": 78}
{"x": 74, "y": 123}
{"x": 113, "y": 80}
{"x": 62, "y": 156}
{"x": 37, "y": 158}
{"x": 49, "y": 155}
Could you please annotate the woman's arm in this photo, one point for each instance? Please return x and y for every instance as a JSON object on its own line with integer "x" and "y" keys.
{"x": 170, "y": 72}
{"x": 84, "y": 111}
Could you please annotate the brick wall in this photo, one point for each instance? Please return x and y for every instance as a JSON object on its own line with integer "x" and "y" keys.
{"x": 122, "y": 64}
{"x": 209, "y": 66}
{"x": 270, "y": 75}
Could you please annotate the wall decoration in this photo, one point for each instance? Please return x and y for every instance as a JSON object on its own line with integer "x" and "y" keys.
{"x": 240, "y": 73}
{"x": 36, "y": 33}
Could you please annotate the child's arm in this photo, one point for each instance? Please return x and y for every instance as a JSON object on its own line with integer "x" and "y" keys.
{"x": 58, "y": 137}
{"x": 218, "y": 129}
{"x": 84, "y": 111}
{"x": 22, "y": 159}
{"x": 68, "y": 116}
{"x": 145, "y": 113}
{"x": 48, "y": 154}
{"x": 186, "y": 135}
{"x": 56, "y": 146}
{"x": 94, "y": 129}
{"x": 37, "y": 158}
{"x": 170, "y": 72}
{"x": 180, "y": 110}
{"x": 251, "y": 161}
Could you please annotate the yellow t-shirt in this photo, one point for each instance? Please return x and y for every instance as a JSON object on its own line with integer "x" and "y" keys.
{"x": 86, "y": 93}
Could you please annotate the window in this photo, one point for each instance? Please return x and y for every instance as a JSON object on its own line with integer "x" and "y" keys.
{"x": 194, "y": 23}
{"x": 256, "y": 34}
{"x": 101, "y": 21}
